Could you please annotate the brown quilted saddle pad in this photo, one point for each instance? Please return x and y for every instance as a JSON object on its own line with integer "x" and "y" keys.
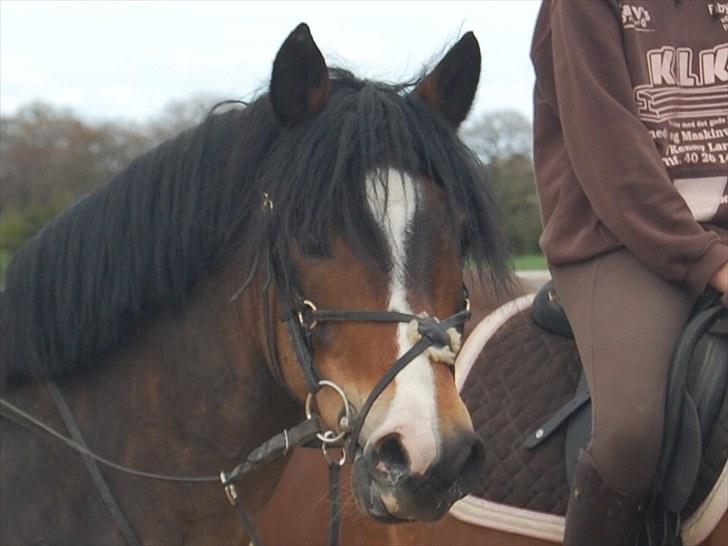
{"x": 520, "y": 378}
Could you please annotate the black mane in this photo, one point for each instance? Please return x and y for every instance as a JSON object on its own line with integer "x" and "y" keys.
{"x": 140, "y": 243}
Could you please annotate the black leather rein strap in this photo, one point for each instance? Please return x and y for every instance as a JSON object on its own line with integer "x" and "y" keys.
{"x": 102, "y": 487}
{"x": 335, "y": 505}
{"x": 277, "y": 446}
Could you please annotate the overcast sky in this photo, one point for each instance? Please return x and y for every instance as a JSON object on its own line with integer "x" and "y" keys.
{"x": 126, "y": 60}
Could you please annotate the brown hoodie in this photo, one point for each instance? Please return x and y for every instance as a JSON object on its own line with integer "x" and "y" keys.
{"x": 631, "y": 132}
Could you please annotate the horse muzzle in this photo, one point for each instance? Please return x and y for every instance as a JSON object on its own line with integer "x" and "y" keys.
{"x": 386, "y": 489}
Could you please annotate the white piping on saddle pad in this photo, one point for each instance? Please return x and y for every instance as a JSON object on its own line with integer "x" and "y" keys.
{"x": 509, "y": 519}
{"x": 483, "y": 332}
{"x": 698, "y": 526}
{"x": 519, "y": 521}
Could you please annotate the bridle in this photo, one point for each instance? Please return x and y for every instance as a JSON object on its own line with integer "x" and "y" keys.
{"x": 300, "y": 317}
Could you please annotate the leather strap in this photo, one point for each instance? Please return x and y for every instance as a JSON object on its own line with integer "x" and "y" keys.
{"x": 382, "y": 384}
{"x": 101, "y": 486}
{"x": 16, "y": 415}
{"x": 302, "y": 352}
{"x": 544, "y": 431}
{"x": 336, "y": 315}
{"x": 682, "y": 353}
{"x": 417, "y": 349}
{"x": 335, "y": 503}
{"x": 248, "y": 525}
{"x": 277, "y": 446}
{"x": 272, "y": 361}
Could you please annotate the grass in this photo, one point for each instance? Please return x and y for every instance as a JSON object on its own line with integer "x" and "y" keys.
{"x": 530, "y": 262}
{"x": 4, "y": 263}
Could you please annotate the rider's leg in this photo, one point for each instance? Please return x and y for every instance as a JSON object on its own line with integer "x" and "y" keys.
{"x": 625, "y": 321}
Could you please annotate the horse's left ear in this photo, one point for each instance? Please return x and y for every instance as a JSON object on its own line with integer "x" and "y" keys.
{"x": 299, "y": 86}
{"x": 450, "y": 88}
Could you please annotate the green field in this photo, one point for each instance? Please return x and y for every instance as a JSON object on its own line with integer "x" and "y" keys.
{"x": 4, "y": 262}
{"x": 529, "y": 262}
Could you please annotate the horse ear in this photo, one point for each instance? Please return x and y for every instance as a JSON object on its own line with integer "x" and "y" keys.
{"x": 450, "y": 88}
{"x": 299, "y": 86}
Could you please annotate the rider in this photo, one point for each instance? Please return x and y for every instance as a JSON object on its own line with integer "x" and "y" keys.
{"x": 631, "y": 161}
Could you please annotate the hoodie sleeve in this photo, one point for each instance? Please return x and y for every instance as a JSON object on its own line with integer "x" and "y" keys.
{"x": 612, "y": 153}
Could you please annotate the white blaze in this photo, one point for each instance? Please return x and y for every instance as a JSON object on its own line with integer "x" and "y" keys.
{"x": 412, "y": 412}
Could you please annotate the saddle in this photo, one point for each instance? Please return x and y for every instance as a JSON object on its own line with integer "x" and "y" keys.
{"x": 522, "y": 384}
{"x": 696, "y": 391}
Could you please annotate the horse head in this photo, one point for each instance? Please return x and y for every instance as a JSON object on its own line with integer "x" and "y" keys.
{"x": 400, "y": 204}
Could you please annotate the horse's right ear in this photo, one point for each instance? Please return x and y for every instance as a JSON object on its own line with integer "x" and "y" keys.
{"x": 299, "y": 86}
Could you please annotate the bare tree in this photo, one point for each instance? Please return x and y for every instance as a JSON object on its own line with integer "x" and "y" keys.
{"x": 47, "y": 154}
{"x": 499, "y": 135}
{"x": 503, "y": 141}
{"x": 179, "y": 115}
{"x": 48, "y": 158}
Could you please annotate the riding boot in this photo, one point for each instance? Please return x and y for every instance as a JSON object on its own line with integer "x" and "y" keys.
{"x": 597, "y": 514}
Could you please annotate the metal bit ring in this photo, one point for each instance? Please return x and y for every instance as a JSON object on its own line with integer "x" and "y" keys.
{"x": 341, "y": 461}
{"x": 330, "y": 436}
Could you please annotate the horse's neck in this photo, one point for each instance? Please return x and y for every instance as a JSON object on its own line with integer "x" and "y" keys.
{"x": 203, "y": 374}
{"x": 189, "y": 396}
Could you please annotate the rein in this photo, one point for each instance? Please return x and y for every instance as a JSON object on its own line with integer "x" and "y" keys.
{"x": 277, "y": 446}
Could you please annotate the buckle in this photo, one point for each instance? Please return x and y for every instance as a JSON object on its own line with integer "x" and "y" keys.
{"x": 230, "y": 492}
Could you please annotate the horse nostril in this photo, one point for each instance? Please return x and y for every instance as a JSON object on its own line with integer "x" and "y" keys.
{"x": 466, "y": 461}
{"x": 389, "y": 454}
{"x": 474, "y": 464}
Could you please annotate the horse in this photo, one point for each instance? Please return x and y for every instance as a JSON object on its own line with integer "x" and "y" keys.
{"x": 278, "y": 257}
{"x": 520, "y": 498}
